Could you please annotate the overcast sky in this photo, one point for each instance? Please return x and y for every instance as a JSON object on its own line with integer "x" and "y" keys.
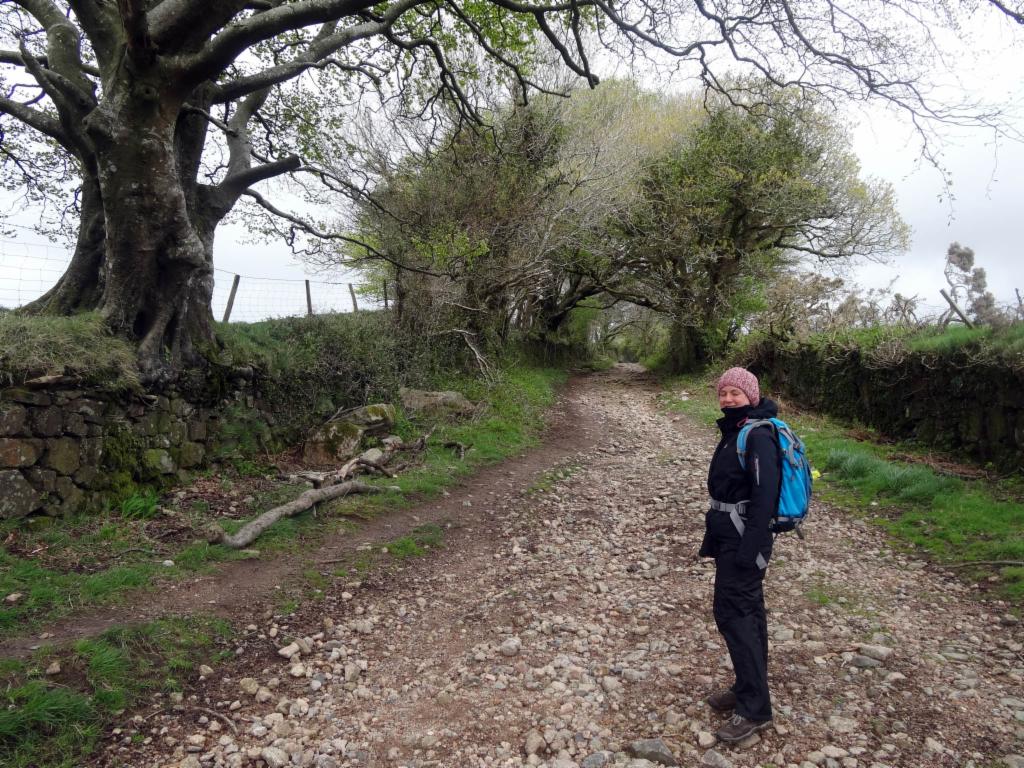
{"x": 987, "y": 185}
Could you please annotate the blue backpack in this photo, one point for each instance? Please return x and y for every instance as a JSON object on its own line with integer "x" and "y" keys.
{"x": 795, "y": 485}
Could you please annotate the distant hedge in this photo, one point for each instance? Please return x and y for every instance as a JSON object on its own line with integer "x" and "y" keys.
{"x": 959, "y": 390}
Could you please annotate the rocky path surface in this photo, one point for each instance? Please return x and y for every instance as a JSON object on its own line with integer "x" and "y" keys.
{"x": 571, "y": 626}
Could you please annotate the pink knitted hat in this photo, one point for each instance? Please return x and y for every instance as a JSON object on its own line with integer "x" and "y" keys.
{"x": 744, "y": 381}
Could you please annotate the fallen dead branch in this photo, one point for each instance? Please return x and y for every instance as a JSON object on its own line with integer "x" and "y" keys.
{"x": 220, "y": 716}
{"x": 376, "y": 466}
{"x": 253, "y": 529}
{"x": 326, "y": 479}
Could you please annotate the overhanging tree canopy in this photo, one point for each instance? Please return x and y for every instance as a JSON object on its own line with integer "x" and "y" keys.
{"x": 164, "y": 113}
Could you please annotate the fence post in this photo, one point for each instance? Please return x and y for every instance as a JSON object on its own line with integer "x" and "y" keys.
{"x": 309, "y": 300}
{"x": 351, "y": 290}
{"x": 231, "y": 298}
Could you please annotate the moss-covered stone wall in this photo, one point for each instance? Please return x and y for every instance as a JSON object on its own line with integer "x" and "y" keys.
{"x": 957, "y": 400}
{"x": 64, "y": 449}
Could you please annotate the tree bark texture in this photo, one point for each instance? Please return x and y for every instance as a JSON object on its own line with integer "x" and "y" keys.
{"x": 159, "y": 267}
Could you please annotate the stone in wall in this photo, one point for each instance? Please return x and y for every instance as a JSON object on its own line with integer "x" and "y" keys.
{"x": 12, "y": 419}
{"x": 74, "y": 424}
{"x": 19, "y": 452}
{"x": 42, "y": 479}
{"x": 197, "y": 430}
{"x": 158, "y": 461}
{"x": 63, "y": 455}
{"x": 61, "y": 450}
{"x": 191, "y": 455}
{"x": 47, "y": 422}
{"x": 26, "y": 396}
{"x": 17, "y": 497}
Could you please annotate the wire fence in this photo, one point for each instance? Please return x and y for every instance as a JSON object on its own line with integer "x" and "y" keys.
{"x": 28, "y": 270}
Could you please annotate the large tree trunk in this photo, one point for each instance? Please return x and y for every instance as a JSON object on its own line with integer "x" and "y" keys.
{"x": 159, "y": 272}
{"x": 81, "y": 285}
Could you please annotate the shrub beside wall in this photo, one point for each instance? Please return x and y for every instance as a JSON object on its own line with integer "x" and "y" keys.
{"x": 956, "y": 391}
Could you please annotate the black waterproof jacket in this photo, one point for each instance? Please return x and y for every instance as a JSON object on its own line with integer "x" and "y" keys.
{"x": 758, "y": 484}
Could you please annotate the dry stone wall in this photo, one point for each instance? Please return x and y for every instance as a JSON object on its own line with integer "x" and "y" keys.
{"x": 951, "y": 400}
{"x": 64, "y": 450}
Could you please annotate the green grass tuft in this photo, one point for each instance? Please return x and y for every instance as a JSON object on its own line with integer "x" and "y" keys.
{"x": 142, "y": 505}
{"x": 80, "y": 345}
{"x": 57, "y": 722}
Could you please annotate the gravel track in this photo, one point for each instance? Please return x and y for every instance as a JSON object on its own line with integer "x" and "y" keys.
{"x": 569, "y": 624}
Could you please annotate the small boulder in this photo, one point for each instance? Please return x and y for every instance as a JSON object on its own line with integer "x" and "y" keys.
{"x": 876, "y": 652}
{"x": 289, "y": 650}
{"x": 654, "y": 750}
{"x": 333, "y": 442}
{"x": 375, "y": 419}
{"x": 274, "y": 757}
{"x": 392, "y": 443}
{"x": 446, "y": 403}
{"x": 511, "y": 646}
{"x": 373, "y": 455}
{"x": 715, "y": 759}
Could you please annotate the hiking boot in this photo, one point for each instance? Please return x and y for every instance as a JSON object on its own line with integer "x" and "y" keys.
{"x": 722, "y": 701}
{"x": 738, "y": 728}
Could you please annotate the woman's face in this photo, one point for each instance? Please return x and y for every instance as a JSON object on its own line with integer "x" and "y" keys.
{"x": 732, "y": 397}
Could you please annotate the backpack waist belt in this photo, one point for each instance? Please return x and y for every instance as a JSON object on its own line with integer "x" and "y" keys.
{"x": 736, "y": 512}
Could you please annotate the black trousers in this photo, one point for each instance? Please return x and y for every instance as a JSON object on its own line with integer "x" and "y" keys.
{"x": 740, "y": 616}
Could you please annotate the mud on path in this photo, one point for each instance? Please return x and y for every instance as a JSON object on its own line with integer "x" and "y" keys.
{"x": 556, "y": 628}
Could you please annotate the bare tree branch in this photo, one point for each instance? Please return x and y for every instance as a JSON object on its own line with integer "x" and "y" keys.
{"x": 1015, "y": 14}
{"x": 243, "y": 179}
{"x": 36, "y": 119}
{"x": 311, "y": 229}
{"x": 319, "y": 50}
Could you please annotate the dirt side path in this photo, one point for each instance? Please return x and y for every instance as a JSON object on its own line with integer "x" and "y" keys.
{"x": 557, "y": 628}
{"x": 238, "y": 589}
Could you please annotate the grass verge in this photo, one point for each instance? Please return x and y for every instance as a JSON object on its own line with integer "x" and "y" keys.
{"x": 54, "y": 708}
{"x": 78, "y": 346}
{"x": 975, "y": 525}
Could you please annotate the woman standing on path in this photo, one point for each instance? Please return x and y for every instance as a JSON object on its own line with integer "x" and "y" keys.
{"x": 738, "y": 536}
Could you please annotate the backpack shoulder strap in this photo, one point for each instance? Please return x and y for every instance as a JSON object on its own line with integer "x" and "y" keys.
{"x": 741, "y": 439}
